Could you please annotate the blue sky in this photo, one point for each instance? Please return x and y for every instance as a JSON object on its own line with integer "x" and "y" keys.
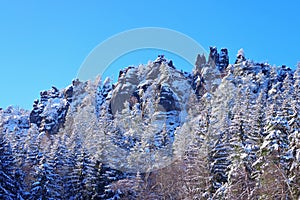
{"x": 43, "y": 43}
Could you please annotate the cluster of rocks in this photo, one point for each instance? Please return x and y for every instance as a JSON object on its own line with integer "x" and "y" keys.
{"x": 221, "y": 61}
{"x": 161, "y": 58}
{"x": 166, "y": 99}
{"x": 150, "y": 91}
{"x": 207, "y": 74}
{"x": 130, "y": 89}
{"x": 50, "y": 111}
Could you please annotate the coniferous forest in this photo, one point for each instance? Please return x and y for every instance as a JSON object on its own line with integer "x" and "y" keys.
{"x": 221, "y": 131}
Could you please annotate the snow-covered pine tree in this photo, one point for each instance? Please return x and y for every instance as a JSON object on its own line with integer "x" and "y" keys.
{"x": 85, "y": 168}
{"x": 47, "y": 183}
{"x": 276, "y": 130}
{"x": 293, "y": 154}
{"x": 13, "y": 127}
{"x": 197, "y": 174}
{"x": 32, "y": 156}
{"x": 273, "y": 180}
{"x": 288, "y": 113}
{"x": 244, "y": 143}
{"x": 108, "y": 177}
{"x": 7, "y": 168}
{"x": 62, "y": 164}
{"x": 258, "y": 124}
{"x": 218, "y": 137}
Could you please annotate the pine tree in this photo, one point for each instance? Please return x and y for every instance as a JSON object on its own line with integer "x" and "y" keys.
{"x": 276, "y": 130}
{"x": 32, "y": 156}
{"x": 62, "y": 164}
{"x": 15, "y": 138}
{"x": 47, "y": 181}
{"x": 86, "y": 171}
{"x": 293, "y": 154}
{"x": 258, "y": 124}
{"x": 245, "y": 141}
{"x": 273, "y": 150}
{"x": 219, "y": 136}
{"x": 7, "y": 182}
{"x": 196, "y": 177}
{"x": 197, "y": 174}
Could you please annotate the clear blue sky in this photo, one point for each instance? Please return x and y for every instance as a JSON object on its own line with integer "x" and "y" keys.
{"x": 43, "y": 43}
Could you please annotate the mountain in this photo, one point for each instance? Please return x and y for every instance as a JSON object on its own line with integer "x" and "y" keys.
{"x": 221, "y": 131}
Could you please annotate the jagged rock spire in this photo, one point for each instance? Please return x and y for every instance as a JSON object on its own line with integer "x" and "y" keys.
{"x": 223, "y": 59}
{"x": 213, "y": 56}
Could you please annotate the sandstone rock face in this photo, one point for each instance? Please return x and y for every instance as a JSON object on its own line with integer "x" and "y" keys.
{"x": 50, "y": 111}
{"x": 157, "y": 85}
{"x": 126, "y": 86}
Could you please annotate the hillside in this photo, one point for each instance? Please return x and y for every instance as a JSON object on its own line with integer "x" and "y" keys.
{"x": 221, "y": 131}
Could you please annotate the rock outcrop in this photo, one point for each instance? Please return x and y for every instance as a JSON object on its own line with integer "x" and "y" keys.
{"x": 50, "y": 111}
{"x": 158, "y": 91}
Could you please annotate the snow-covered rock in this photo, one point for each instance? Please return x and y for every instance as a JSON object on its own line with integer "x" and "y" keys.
{"x": 49, "y": 113}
